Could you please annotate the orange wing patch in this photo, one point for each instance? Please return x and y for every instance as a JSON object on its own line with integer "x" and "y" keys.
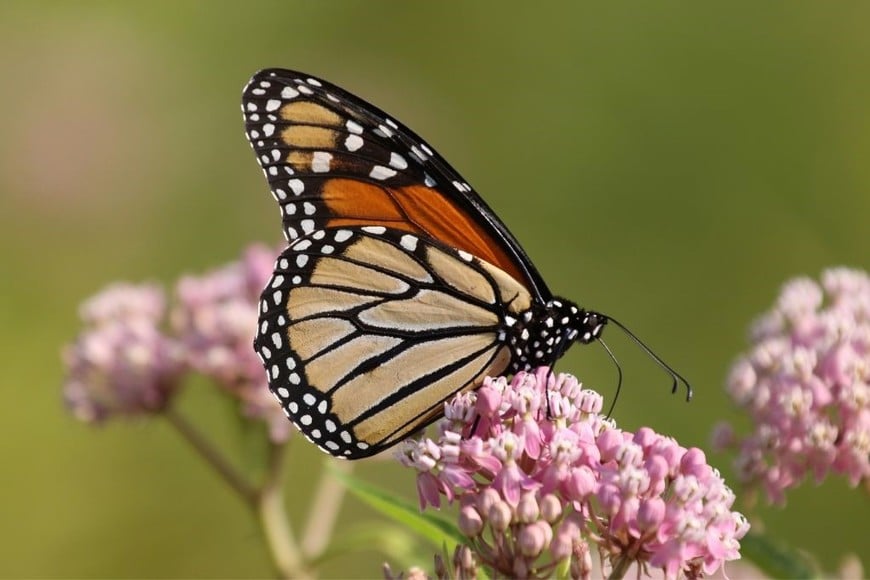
{"x": 416, "y": 209}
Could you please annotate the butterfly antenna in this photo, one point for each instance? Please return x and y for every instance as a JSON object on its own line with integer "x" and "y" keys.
{"x": 618, "y": 375}
{"x": 675, "y": 376}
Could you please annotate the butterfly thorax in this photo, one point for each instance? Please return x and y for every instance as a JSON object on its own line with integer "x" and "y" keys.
{"x": 541, "y": 334}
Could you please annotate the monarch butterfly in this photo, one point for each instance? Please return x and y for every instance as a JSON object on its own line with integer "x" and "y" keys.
{"x": 399, "y": 287}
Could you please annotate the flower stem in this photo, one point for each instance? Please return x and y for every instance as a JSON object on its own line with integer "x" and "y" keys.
{"x": 273, "y": 518}
{"x": 266, "y": 501}
{"x": 213, "y": 457}
{"x": 324, "y": 511}
{"x": 621, "y": 567}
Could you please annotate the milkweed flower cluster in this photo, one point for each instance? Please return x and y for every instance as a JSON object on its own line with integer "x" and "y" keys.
{"x": 805, "y": 384}
{"x": 122, "y": 364}
{"x": 133, "y": 353}
{"x": 544, "y": 481}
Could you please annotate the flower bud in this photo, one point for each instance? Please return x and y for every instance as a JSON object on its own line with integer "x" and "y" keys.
{"x": 486, "y": 499}
{"x": 650, "y": 514}
{"x": 470, "y": 522}
{"x": 499, "y": 516}
{"x": 551, "y": 508}
{"x": 532, "y": 539}
{"x": 567, "y": 534}
{"x": 464, "y": 562}
{"x": 528, "y": 509}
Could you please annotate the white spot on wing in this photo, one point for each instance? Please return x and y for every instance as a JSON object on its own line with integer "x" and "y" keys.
{"x": 289, "y": 93}
{"x": 353, "y": 142}
{"x": 419, "y": 153}
{"x": 398, "y": 161}
{"x": 320, "y": 162}
{"x": 381, "y": 172}
{"x": 409, "y": 242}
{"x": 296, "y": 185}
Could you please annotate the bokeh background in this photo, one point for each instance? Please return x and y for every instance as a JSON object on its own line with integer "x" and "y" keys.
{"x": 670, "y": 164}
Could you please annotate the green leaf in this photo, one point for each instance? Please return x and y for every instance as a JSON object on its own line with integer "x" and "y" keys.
{"x": 392, "y": 540}
{"x": 775, "y": 558}
{"x": 434, "y": 527}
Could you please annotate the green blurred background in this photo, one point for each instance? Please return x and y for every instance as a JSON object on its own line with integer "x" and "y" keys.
{"x": 670, "y": 164}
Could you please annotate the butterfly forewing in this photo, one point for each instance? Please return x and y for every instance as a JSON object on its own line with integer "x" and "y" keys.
{"x": 334, "y": 160}
{"x": 365, "y": 332}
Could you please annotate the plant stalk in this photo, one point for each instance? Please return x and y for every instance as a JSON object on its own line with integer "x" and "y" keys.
{"x": 283, "y": 549}
{"x": 213, "y": 457}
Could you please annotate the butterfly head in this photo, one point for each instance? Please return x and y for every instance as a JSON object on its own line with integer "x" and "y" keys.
{"x": 576, "y": 323}
{"x": 590, "y": 326}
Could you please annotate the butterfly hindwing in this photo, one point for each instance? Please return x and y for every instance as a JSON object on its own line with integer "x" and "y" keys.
{"x": 366, "y": 331}
{"x": 333, "y": 160}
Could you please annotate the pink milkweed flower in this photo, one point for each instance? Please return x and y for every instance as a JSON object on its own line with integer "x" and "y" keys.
{"x": 121, "y": 364}
{"x": 805, "y": 384}
{"x": 534, "y": 498}
{"x": 124, "y": 363}
{"x": 124, "y": 302}
{"x": 216, "y": 319}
